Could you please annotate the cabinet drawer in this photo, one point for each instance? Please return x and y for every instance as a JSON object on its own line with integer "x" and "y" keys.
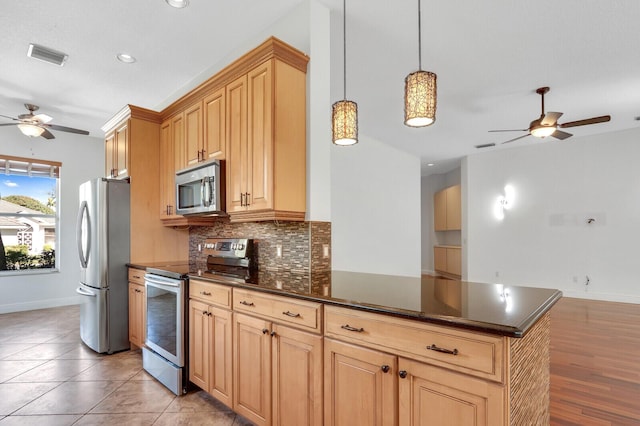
{"x": 136, "y": 276}
{"x": 285, "y": 310}
{"x": 215, "y": 294}
{"x": 478, "y": 354}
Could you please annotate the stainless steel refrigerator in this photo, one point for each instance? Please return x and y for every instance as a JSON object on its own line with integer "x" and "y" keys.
{"x": 103, "y": 250}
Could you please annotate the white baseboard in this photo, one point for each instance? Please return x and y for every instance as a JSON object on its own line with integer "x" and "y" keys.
{"x": 40, "y": 304}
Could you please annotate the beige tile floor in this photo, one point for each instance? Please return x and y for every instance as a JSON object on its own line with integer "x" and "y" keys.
{"x": 49, "y": 377}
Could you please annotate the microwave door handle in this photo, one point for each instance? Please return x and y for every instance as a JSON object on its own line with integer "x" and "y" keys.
{"x": 207, "y": 191}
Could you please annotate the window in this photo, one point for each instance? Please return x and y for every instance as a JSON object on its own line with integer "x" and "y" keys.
{"x": 28, "y": 213}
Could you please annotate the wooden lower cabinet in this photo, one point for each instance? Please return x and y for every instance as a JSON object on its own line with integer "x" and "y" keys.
{"x": 136, "y": 314}
{"x": 277, "y": 373}
{"x": 433, "y": 396}
{"x": 210, "y": 350}
{"x": 360, "y": 385}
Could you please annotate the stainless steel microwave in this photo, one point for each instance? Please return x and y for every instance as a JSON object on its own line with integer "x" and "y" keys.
{"x": 200, "y": 190}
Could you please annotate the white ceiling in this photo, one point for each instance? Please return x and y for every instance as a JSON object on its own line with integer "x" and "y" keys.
{"x": 489, "y": 56}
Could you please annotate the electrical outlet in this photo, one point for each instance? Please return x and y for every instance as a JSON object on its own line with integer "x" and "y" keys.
{"x": 325, "y": 251}
{"x": 497, "y": 274}
{"x": 278, "y": 250}
{"x": 199, "y": 247}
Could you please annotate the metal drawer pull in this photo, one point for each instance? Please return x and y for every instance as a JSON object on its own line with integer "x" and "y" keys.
{"x": 402, "y": 374}
{"x": 444, "y": 351}
{"x": 245, "y": 303}
{"x": 291, "y": 314}
{"x": 265, "y": 331}
{"x": 349, "y": 328}
{"x": 205, "y": 293}
{"x": 385, "y": 368}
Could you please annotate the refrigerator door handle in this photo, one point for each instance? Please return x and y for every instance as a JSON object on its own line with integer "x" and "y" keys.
{"x": 83, "y": 234}
{"x": 84, "y": 292}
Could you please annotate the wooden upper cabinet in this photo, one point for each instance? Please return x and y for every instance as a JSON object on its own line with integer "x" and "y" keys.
{"x": 447, "y": 209}
{"x": 180, "y": 150}
{"x": 117, "y": 152}
{"x": 167, "y": 171}
{"x": 215, "y": 133}
{"x": 237, "y": 160}
{"x": 193, "y": 134}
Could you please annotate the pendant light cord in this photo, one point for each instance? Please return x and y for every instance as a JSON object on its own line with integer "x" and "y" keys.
{"x": 344, "y": 46}
{"x": 419, "y": 37}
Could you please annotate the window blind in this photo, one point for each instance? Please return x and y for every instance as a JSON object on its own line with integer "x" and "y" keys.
{"x": 27, "y": 167}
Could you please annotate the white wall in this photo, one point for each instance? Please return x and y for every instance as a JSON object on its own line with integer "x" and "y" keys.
{"x": 544, "y": 240}
{"x": 82, "y": 158}
{"x": 375, "y": 209}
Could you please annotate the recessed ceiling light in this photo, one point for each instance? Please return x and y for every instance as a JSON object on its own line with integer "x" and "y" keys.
{"x": 430, "y": 164}
{"x": 126, "y": 58}
{"x": 178, "y": 4}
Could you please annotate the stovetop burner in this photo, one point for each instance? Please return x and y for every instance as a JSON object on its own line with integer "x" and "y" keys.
{"x": 230, "y": 258}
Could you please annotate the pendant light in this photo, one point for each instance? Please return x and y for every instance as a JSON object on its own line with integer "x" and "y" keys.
{"x": 420, "y": 91}
{"x": 344, "y": 113}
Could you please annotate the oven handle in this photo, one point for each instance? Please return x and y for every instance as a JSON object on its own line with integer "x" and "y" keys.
{"x": 167, "y": 283}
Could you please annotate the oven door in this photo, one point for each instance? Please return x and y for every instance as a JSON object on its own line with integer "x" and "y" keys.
{"x": 165, "y": 317}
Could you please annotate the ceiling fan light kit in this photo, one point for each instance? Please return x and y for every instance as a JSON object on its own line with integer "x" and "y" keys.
{"x": 420, "y": 90}
{"x": 344, "y": 113}
{"x": 30, "y": 130}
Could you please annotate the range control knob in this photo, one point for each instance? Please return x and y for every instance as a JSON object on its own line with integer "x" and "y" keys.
{"x": 240, "y": 246}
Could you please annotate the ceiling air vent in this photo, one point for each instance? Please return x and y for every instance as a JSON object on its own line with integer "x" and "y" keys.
{"x": 47, "y": 55}
{"x": 486, "y": 145}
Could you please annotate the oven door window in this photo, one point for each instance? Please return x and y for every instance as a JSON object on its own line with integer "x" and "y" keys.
{"x": 162, "y": 319}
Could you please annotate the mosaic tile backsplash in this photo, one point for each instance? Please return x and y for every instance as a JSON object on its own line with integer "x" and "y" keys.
{"x": 306, "y": 246}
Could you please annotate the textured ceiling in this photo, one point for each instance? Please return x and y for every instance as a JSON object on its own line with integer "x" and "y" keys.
{"x": 489, "y": 56}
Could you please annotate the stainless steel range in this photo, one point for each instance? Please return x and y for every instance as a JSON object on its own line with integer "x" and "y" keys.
{"x": 230, "y": 259}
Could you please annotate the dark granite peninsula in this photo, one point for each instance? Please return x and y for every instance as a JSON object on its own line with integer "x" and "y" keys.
{"x": 387, "y": 350}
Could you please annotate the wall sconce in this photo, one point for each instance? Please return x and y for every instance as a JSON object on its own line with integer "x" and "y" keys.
{"x": 504, "y": 202}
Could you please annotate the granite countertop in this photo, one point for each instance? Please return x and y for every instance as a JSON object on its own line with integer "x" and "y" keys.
{"x": 491, "y": 308}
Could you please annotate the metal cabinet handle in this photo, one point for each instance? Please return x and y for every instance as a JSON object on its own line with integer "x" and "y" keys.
{"x": 273, "y": 333}
{"x": 246, "y": 199}
{"x": 385, "y": 368}
{"x": 442, "y": 350}
{"x": 265, "y": 331}
{"x": 205, "y": 293}
{"x": 349, "y": 328}
{"x": 242, "y": 199}
{"x": 402, "y": 374}
{"x": 291, "y": 314}
{"x": 245, "y": 303}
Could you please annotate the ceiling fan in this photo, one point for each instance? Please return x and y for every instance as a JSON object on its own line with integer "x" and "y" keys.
{"x": 37, "y": 125}
{"x": 547, "y": 124}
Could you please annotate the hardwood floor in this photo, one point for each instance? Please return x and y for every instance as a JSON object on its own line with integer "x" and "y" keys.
{"x": 595, "y": 363}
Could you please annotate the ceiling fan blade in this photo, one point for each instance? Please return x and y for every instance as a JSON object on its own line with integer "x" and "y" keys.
{"x": 515, "y": 139}
{"x": 10, "y": 118}
{"x": 594, "y": 120}
{"x": 9, "y": 124}
{"x": 47, "y": 134}
{"x": 510, "y": 130}
{"x": 65, "y": 129}
{"x": 43, "y": 118}
{"x": 559, "y": 134}
{"x": 550, "y": 118}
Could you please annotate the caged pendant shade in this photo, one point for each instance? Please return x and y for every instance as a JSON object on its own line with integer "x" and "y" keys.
{"x": 344, "y": 113}
{"x": 420, "y": 90}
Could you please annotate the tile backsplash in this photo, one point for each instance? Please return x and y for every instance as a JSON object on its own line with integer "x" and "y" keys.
{"x": 305, "y": 247}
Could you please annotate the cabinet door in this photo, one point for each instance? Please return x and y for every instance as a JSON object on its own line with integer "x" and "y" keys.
{"x": 109, "y": 155}
{"x": 297, "y": 376}
{"x": 215, "y": 135}
{"x": 454, "y": 261}
{"x": 167, "y": 171}
{"x": 221, "y": 355}
{"x": 454, "y": 208}
{"x": 177, "y": 124}
{"x": 193, "y": 139}
{"x": 432, "y": 396}
{"x": 357, "y": 389}
{"x": 260, "y": 137}
{"x": 199, "y": 344}
{"x": 121, "y": 158}
{"x": 440, "y": 210}
{"x": 440, "y": 259}
{"x": 136, "y": 314}
{"x": 236, "y": 144}
{"x": 252, "y": 368}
